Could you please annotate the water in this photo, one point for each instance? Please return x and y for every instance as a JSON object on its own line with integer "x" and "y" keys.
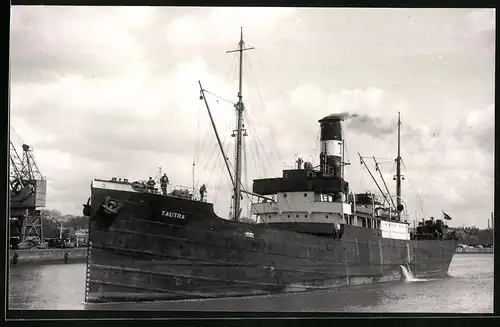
{"x": 468, "y": 289}
{"x": 54, "y": 287}
{"x": 408, "y": 275}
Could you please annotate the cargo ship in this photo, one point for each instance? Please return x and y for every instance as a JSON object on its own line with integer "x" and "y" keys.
{"x": 311, "y": 232}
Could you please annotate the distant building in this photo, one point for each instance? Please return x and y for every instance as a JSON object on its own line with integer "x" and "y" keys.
{"x": 82, "y": 236}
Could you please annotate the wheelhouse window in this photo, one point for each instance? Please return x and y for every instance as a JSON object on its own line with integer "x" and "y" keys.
{"x": 320, "y": 197}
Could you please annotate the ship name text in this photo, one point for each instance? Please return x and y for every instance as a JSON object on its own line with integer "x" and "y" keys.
{"x": 174, "y": 215}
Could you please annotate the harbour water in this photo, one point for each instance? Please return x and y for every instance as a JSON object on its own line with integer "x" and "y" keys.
{"x": 469, "y": 289}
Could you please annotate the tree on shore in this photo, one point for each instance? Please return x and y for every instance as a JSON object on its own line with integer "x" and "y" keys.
{"x": 52, "y": 219}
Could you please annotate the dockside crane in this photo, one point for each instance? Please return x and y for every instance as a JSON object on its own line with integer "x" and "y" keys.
{"x": 28, "y": 192}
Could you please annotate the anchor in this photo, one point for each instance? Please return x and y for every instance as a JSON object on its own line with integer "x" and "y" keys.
{"x": 111, "y": 207}
{"x": 107, "y": 213}
{"x": 87, "y": 209}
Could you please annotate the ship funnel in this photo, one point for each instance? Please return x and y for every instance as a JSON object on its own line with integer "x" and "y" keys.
{"x": 331, "y": 144}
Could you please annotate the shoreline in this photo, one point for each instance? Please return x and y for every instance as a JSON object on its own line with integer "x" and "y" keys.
{"x": 79, "y": 255}
{"x": 47, "y": 256}
{"x": 474, "y": 251}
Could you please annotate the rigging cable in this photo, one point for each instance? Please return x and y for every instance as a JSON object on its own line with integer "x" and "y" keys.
{"x": 219, "y": 176}
{"x": 214, "y": 167}
{"x": 218, "y": 96}
{"x": 217, "y": 181}
{"x": 258, "y": 140}
{"x": 420, "y": 202}
{"x": 263, "y": 106}
{"x": 245, "y": 160}
{"x": 218, "y": 154}
{"x": 231, "y": 67}
{"x": 259, "y": 156}
{"x": 208, "y": 161}
{"x": 205, "y": 139}
{"x": 255, "y": 156}
{"x": 318, "y": 142}
{"x": 257, "y": 143}
{"x": 215, "y": 95}
{"x": 196, "y": 148}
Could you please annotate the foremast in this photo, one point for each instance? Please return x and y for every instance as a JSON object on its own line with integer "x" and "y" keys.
{"x": 240, "y": 107}
{"x": 399, "y": 206}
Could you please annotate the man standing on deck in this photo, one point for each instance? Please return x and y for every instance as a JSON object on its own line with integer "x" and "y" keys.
{"x": 164, "y": 183}
{"x": 151, "y": 184}
{"x": 203, "y": 190}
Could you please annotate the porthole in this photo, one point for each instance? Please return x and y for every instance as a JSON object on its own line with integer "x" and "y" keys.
{"x": 305, "y": 194}
{"x": 284, "y": 195}
{"x": 305, "y": 216}
{"x": 297, "y": 216}
{"x": 326, "y": 216}
{"x": 288, "y": 216}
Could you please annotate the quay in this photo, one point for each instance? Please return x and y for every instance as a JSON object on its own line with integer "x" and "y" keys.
{"x": 474, "y": 250}
{"x": 47, "y": 256}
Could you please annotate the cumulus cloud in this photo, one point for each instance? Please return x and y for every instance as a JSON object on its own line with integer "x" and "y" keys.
{"x": 58, "y": 44}
{"x": 218, "y": 25}
{"x": 115, "y": 93}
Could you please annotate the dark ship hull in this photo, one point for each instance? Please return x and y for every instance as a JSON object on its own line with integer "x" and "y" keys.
{"x": 156, "y": 247}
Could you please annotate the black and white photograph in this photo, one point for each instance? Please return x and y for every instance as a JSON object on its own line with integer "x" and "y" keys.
{"x": 258, "y": 159}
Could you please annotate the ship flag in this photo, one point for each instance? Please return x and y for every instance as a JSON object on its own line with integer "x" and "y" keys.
{"x": 446, "y": 216}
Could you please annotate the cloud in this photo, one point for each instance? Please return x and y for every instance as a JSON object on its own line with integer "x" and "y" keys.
{"x": 362, "y": 108}
{"x": 49, "y": 40}
{"x": 479, "y": 125}
{"x": 222, "y": 24}
{"x": 371, "y": 125}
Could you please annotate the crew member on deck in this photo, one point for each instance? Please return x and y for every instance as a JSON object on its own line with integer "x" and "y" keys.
{"x": 203, "y": 190}
{"x": 164, "y": 183}
{"x": 151, "y": 184}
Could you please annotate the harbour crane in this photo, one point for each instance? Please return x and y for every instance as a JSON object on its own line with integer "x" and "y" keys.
{"x": 28, "y": 192}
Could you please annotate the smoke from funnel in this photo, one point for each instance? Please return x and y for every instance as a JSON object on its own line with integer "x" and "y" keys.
{"x": 369, "y": 125}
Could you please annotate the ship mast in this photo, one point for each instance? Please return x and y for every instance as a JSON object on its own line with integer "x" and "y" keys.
{"x": 398, "y": 170}
{"x": 240, "y": 107}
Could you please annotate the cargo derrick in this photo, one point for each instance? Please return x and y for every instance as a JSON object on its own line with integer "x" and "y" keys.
{"x": 28, "y": 189}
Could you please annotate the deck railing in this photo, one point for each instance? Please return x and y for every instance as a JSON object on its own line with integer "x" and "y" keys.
{"x": 179, "y": 191}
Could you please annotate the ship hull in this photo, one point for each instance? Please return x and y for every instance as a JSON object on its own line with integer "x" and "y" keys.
{"x": 159, "y": 247}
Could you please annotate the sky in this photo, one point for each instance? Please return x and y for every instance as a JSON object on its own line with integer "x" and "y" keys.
{"x": 101, "y": 92}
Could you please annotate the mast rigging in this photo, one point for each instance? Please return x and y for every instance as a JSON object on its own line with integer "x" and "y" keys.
{"x": 398, "y": 176}
{"x": 240, "y": 107}
{"x": 202, "y": 96}
{"x": 374, "y": 180}
{"x": 377, "y": 168}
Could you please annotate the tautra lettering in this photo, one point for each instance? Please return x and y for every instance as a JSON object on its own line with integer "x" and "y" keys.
{"x": 174, "y": 215}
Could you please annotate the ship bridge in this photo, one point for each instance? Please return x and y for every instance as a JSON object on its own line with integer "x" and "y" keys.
{"x": 302, "y": 196}
{"x": 314, "y": 198}
{"x": 301, "y": 180}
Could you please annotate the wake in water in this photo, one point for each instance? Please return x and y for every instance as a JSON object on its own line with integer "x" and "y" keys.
{"x": 408, "y": 275}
